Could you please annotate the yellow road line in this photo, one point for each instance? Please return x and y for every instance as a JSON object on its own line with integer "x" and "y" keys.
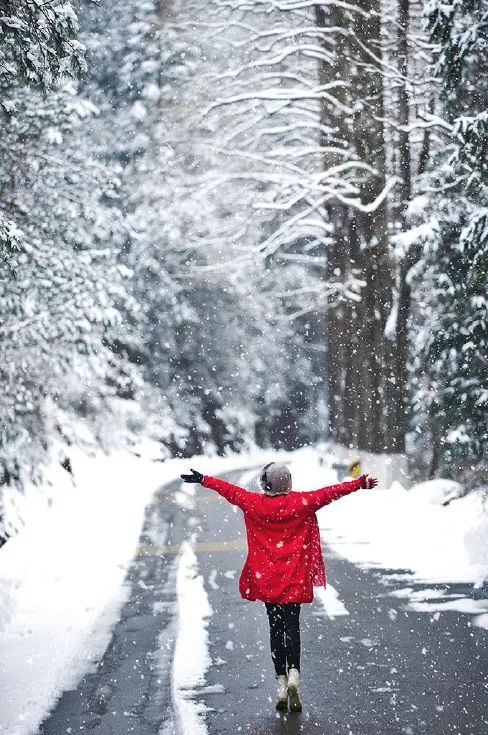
{"x": 239, "y": 543}
{"x": 174, "y": 501}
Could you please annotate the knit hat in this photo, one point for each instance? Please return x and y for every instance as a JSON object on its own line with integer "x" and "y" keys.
{"x": 275, "y": 479}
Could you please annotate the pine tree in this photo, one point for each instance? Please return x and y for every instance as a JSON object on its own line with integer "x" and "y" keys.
{"x": 59, "y": 285}
{"x": 452, "y": 366}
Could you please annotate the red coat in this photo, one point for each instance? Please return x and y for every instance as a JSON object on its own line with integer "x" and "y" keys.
{"x": 284, "y": 560}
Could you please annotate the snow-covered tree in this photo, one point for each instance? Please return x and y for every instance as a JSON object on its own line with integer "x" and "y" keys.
{"x": 451, "y": 364}
{"x": 319, "y": 119}
{"x": 60, "y": 286}
{"x": 39, "y": 46}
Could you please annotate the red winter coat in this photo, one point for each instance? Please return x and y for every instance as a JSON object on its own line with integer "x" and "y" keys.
{"x": 284, "y": 560}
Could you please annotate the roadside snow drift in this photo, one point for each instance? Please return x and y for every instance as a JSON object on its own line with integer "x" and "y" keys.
{"x": 432, "y": 530}
{"x": 63, "y": 577}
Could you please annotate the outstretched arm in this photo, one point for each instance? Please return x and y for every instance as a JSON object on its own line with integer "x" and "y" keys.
{"x": 318, "y": 498}
{"x": 233, "y": 493}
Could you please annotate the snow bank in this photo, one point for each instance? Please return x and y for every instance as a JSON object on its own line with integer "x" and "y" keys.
{"x": 63, "y": 575}
{"x": 437, "y": 492}
{"x": 433, "y": 531}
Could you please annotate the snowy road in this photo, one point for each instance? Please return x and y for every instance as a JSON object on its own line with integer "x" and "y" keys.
{"x": 130, "y": 691}
{"x": 378, "y": 669}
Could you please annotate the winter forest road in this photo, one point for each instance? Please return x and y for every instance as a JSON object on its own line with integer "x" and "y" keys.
{"x": 380, "y": 670}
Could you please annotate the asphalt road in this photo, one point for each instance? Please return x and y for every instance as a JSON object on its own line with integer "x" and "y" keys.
{"x": 379, "y": 670}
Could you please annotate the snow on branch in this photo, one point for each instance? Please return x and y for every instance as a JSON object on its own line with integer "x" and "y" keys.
{"x": 268, "y": 6}
{"x": 319, "y": 92}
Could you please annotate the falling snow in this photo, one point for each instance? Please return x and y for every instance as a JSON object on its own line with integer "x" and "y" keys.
{"x": 234, "y": 234}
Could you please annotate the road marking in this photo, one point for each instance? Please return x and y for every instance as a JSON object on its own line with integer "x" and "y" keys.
{"x": 239, "y": 543}
{"x": 175, "y": 501}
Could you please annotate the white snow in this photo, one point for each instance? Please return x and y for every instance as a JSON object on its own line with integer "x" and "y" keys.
{"x": 330, "y": 601}
{"x": 403, "y": 241}
{"x": 369, "y": 643}
{"x": 462, "y": 604}
{"x": 481, "y": 621}
{"x": 435, "y": 531}
{"x": 437, "y": 492}
{"x": 62, "y": 575}
{"x": 419, "y": 595}
{"x": 391, "y": 322}
{"x": 467, "y": 605}
{"x": 63, "y": 578}
{"x": 191, "y": 657}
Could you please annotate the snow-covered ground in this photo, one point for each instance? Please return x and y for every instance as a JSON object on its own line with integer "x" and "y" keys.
{"x": 62, "y": 576}
{"x": 191, "y": 658}
{"x": 434, "y": 530}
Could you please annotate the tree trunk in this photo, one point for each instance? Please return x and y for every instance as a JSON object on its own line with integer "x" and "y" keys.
{"x": 364, "y": 239}
{"x": 397, "y": 383}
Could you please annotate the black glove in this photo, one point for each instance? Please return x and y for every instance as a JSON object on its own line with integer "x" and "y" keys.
{"x": 194, "y": 477}
{"x": 368, "y": 482}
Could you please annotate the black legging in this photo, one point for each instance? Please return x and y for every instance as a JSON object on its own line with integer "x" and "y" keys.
{"x": 284, "y": 634}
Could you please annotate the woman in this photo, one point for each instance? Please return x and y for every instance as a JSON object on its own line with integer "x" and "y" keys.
{"x": 284, "y": 560}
